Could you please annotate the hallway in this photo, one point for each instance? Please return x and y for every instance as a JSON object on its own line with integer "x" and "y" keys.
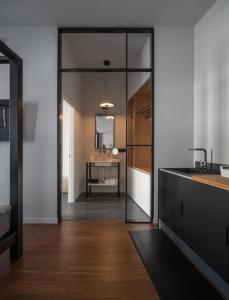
{"x": 78, "y": 260}
{"x": 102, "y": 207}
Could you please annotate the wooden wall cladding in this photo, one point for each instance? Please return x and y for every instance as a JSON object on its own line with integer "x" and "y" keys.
{"x": 139, "y": 129}
{"x": 140, "y": 158}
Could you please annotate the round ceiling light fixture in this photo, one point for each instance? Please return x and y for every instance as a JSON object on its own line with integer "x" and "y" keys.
{"x": 110, "y": 117}
{"x": 106, "y": 105}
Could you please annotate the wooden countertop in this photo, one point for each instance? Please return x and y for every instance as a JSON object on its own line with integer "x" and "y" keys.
{"x": 213, "y": 180}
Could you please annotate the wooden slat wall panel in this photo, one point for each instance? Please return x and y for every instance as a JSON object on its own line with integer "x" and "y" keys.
{"x": 139, "y": 128}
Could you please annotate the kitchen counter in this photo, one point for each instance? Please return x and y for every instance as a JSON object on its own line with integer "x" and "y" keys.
{"x": 213, "y": 180}
{"x": 195, "y": 208}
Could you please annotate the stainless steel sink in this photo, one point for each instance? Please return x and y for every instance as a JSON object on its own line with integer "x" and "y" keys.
{"x": 192, "y": 171}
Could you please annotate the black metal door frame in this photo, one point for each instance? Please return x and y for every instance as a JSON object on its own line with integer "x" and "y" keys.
{"x": 15, "y": 139}
{"x": 125, "y": 70}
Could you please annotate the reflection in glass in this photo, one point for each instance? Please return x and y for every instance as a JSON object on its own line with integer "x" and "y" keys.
{"x": 139, "y": 157}
{"x": 139, "y": 183}
{"x": 139, "y": 50}
{"x": 139, "y": 115}
{"x": 89, "y": 50}
{"x": 139, "y": 148}
{"x": 104, "y": 131}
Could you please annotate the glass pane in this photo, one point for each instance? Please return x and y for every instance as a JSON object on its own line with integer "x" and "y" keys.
{"x": 90, "y": 50}
{"x": 139, "y": 183}
{"x": 4, "y": 134}
{"x": 139, "y": 109}
{"x": 85, "y": 91}
{"x": 139, "y": 50}
{"x": 139, "y": 157}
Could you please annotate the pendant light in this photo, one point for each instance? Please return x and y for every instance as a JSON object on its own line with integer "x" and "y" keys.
{"x": 110, "y": 117}
{"x": 106, "y": 104}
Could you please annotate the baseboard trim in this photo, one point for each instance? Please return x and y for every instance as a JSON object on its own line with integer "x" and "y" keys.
{"x": 40, "y": 221}
{"x": 155, "y": 220}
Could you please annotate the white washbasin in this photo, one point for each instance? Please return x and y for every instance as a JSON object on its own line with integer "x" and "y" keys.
{"x": 103, "y": 164}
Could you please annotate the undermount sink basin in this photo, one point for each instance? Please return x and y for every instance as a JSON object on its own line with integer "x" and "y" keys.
{"x": 192, "y": 171}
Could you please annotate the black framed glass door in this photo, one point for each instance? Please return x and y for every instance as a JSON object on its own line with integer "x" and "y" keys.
{"x": 134, "y": 58}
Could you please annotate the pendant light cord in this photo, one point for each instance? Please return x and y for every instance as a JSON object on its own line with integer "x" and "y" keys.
{"x": 106, "y": 87}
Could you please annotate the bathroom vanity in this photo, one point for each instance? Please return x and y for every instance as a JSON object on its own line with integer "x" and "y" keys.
{"x": 195, "y": 207}
{"x": 106, "y": 182}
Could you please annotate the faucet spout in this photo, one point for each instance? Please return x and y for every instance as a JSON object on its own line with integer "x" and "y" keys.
{"x": 204, "y": 163}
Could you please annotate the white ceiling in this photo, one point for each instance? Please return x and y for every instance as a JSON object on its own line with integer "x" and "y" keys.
{"x": 128, "y": 13}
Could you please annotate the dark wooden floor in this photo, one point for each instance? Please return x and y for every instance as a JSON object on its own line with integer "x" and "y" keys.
{"x": 78, "y": 260}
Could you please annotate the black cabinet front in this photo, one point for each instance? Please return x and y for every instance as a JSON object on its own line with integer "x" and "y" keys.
{"x": 198, "y": 214}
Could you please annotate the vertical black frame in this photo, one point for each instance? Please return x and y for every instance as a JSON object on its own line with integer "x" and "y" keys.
{"x": 16, "y": 151}
{"x": 126, "y": 70}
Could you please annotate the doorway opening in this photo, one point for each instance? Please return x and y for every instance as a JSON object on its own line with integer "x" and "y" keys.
{"x": 107, "y": 76}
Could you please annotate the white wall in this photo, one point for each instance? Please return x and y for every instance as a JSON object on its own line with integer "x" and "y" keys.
{"x": 141, "y": 60}
{"x": 72, "y": 93}
{"x": 174, "y": 79}
{"x": 38, "y": 49}
{"x": 66, "y": 138}
{"x": 212, "y": 82}
{"x": 4, "y": 146}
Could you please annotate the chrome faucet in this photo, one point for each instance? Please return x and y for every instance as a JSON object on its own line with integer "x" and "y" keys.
{"x": 203, "y": 164}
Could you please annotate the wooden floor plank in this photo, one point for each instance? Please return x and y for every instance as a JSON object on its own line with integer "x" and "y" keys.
{"x": 93, "y": 260}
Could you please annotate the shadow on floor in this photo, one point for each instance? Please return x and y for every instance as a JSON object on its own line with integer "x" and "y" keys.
{"x": 172, "y": 274}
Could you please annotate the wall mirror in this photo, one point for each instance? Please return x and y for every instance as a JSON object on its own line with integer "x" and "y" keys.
{"x": 104, "y": 137}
